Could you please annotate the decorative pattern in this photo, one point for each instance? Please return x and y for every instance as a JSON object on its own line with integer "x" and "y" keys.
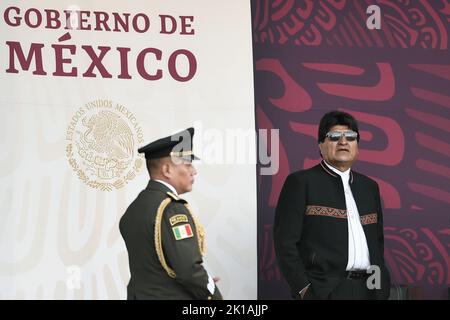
{"x": 369, "y": 219}
{"x": 418, "y": 257}
{"x": 100, "y": 145}
{"x": 334, "y": 23}
{"x": 326, "y": 211}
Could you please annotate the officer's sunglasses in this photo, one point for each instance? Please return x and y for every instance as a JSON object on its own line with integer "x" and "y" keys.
{"x": 336, "y": 135}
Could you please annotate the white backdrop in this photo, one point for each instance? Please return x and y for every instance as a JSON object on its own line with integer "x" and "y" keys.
{"x": 59, "y": 237}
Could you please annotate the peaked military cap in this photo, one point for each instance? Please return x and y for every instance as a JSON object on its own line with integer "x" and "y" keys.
{"x": 177, "y": 145}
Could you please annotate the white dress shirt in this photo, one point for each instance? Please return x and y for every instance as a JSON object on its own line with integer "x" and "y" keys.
{"x": 358, "y": 252}
{"x": 168, "y": 185}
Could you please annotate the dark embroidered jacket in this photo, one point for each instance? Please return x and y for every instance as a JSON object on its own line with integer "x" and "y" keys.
{"x": 311, "y": 229}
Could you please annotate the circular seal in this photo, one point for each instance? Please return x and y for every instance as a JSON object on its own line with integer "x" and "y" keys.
{"x": 101, "y": 144}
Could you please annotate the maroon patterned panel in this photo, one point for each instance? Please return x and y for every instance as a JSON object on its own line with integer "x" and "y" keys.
{"x": 334, "y": 23}
{"x": 418, "y": 257}
{"x": 315, "y": 56}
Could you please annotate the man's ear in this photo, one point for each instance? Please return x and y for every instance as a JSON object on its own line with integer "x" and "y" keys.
{"x": 166, "y": 170}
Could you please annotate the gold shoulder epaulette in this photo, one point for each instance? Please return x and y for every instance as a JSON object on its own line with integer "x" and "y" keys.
{"x": 158, "y": 243}
{"x": 173, "y": 196}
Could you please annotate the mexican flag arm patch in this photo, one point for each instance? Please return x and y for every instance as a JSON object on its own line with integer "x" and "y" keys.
{"x": 183, "y": 231}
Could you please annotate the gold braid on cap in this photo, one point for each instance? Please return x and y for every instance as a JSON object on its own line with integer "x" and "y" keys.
{"x": 181, "y": 153}
{"x": 158, "y": 243}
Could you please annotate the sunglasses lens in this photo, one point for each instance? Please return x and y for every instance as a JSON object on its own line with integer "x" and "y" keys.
{"x": 350, "y": 136}
{"x": 335, "y": 136}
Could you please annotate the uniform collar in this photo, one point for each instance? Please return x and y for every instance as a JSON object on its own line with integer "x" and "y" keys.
{"x": 348, "y": 174}
{"x": 159, "y": 185}
{"x": 168, "y": 185}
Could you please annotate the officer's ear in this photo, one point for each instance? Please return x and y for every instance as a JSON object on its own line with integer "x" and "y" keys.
{"x": 166, "y": 169}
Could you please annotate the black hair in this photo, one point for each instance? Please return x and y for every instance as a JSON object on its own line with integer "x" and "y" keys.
{"x": 335, "y": 118}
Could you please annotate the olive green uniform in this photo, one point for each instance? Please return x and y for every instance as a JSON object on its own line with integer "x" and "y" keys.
{"x": 165, "y": 246}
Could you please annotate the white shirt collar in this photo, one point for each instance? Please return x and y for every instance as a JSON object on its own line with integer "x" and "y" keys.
{"x": 344, "y": 175}
{"x": 168, "y": 185}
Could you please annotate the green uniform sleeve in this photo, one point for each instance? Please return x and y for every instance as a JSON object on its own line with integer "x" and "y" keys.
{"x": 182, "y": 252}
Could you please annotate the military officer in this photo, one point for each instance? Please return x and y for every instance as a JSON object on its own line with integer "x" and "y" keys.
{"x": 165, "y": 241}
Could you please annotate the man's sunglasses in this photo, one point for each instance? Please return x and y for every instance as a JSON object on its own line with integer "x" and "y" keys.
{"x": 336, "y": 135}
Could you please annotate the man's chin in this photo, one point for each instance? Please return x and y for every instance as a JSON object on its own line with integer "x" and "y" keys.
{"x": 344, "y": 158}
{"x": 340, "y": 161}
{"x": 189, "y": 189}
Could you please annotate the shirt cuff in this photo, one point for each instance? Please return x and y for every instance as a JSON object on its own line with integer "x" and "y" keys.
{"x": 303, "y": 290}
{"x": 211, "y": 285}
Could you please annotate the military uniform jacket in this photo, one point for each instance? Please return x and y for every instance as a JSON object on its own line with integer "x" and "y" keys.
{"x": 165, "y": 245}
{"x": 311, "y": 229}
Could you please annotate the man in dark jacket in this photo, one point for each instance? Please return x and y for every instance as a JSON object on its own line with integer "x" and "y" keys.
{"x": 165, "y": 241}
{"x": 328, "y": 229}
